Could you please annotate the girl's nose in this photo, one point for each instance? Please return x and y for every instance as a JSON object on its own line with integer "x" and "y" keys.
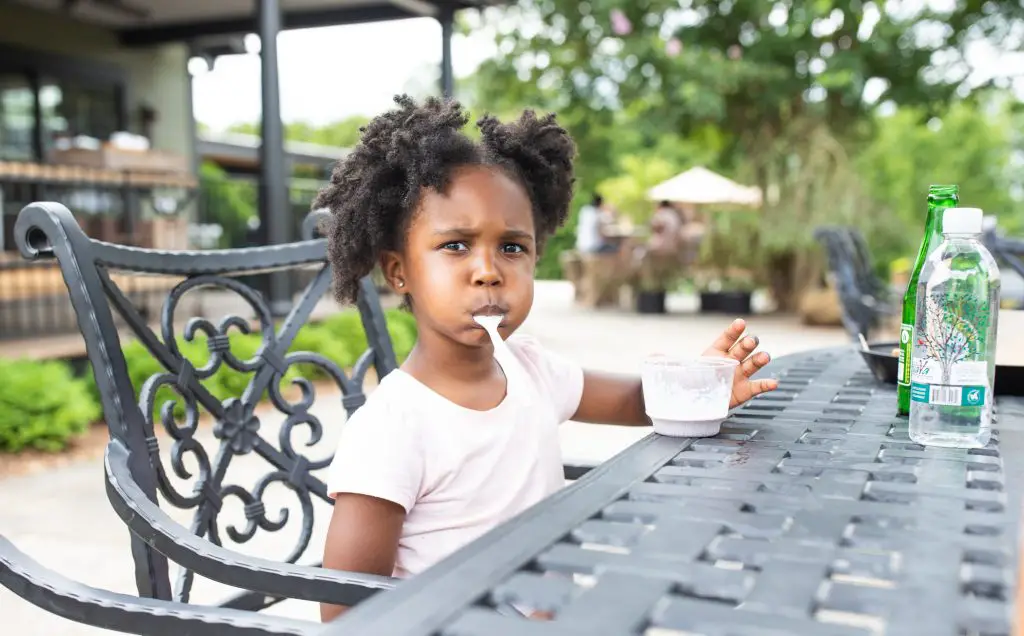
{"x": 485, "y": 272}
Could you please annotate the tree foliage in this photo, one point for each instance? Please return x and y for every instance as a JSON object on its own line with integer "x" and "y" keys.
{"x": 966, "y": 145}
{"x": 753, "y": 65}
{"x": 790, "y": 94}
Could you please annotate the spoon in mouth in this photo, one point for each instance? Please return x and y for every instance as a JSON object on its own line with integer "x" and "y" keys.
{"x": 514, "y": 371}
{"x": 490, "y": 325}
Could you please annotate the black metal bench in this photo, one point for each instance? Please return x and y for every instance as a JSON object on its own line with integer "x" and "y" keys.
{"x": 138, "y": 470}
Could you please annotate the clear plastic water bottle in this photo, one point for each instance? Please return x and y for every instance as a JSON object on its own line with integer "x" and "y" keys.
{"x": 954, "y": 352}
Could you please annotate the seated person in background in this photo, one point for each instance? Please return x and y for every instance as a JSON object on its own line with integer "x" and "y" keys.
{"x": 666, "y": 237}
{"x": 591, "y": 235}
{"x": 666, "y": 230}
{"x": 661, "y": 255}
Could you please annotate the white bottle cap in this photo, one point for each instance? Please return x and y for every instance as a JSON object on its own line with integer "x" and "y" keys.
{"x": 962, "y": 221}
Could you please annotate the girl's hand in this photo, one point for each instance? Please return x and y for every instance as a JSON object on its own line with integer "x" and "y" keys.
{"x": 730, "y": 345}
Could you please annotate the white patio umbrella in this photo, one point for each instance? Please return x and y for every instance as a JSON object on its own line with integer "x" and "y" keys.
{"x": 700, "y": 186}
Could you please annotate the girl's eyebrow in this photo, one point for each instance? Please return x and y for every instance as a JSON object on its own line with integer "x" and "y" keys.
{"x": 463, "y": 232}
{"x": 521, "y": 235}
{"x": 455, "y": 231}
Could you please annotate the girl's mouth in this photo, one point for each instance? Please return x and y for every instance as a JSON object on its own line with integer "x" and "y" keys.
{"x": 498, "y": 319}
{"x": 490, "y": 310}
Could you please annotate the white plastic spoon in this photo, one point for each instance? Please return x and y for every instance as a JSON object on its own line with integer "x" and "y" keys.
{"x": 490, "y": 325}
{"x": 515, "y": 374}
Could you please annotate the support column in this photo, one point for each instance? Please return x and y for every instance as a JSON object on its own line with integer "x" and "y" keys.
{"x": 447, "y": 20}
{"x": 275, "y": 221}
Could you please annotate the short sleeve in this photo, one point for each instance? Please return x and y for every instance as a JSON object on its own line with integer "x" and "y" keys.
{"x": 557, "y": 377}
{"x": 378, "y": 455}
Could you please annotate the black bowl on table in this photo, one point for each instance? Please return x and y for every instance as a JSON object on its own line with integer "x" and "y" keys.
{"x": 885, "y": 367}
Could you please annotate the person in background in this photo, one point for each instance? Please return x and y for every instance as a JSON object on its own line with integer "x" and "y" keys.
{"x": 590, "y": 228}
{"x": 659, "y": 258}
{"x": 666, "y": 230}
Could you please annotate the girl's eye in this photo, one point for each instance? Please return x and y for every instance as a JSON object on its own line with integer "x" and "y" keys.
{"x": 455, "y": 246}
{"x": 513, "y": 248}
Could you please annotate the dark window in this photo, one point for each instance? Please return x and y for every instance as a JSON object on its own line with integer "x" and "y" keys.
{"x": 44, "y": 96}
{"x": 70, "y": 108}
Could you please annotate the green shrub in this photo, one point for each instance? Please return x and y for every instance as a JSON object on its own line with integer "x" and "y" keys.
{"x": 42, "y": 405}
{"x": 341, "y": 338}
{"x": 315, "y": 338}
{"x": 347, "y": 327}
{"x": 402, "y": 328}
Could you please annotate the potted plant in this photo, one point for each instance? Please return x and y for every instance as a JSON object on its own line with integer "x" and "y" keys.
{"x": 650, "y": 301}
{"x": 728, "y": 295}
{"x": 653, "y": 280}
{"x": 729, "y": 261}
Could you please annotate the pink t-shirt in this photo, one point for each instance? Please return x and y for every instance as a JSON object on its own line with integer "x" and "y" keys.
{"x": 458, "y": 472}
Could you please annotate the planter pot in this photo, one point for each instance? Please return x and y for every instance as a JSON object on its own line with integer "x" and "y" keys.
{"x": 734, "y": 303}
{"x": 650, "y": 302}
{"x": 709, "y": 302}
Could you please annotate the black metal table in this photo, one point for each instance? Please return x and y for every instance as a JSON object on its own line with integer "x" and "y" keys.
{"x": 811, "y": 513}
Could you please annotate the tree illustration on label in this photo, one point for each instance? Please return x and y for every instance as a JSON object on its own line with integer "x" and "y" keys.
{"x": 954, "y": 324}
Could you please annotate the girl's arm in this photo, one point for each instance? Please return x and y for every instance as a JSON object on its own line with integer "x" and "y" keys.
{"x": 619, "y": 399}
{"x": 362, "y": 537}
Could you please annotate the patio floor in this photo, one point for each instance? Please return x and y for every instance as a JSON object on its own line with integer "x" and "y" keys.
{"x": 62, "y": 518}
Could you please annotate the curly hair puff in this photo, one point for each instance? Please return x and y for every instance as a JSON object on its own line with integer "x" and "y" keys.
{"x": 374, "y": 191}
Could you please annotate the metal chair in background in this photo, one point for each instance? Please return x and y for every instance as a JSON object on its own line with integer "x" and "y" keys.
{"x": 864, "y": 298}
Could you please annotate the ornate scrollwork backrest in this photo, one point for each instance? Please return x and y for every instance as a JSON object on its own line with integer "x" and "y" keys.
{"x": 171, "y": 402}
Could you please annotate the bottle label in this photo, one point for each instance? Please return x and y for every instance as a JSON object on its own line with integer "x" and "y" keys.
{"x": 945, "y": 395}
{"x": 906, "y": 345}
{"x": 949, "y": 366}
{"x": 961, "y": 384}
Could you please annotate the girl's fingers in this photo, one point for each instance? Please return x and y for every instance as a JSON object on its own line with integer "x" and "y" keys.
{"x": 757, "y": 387}
{"x": 723, "y": 345}
{"x": 744, "y": 348}
{"x": 754, "y": 363}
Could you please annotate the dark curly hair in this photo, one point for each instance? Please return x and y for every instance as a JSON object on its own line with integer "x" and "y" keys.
{"x": 375, "y": 189}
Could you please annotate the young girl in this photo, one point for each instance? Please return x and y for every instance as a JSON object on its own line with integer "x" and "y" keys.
{"x": 447, "y": 447}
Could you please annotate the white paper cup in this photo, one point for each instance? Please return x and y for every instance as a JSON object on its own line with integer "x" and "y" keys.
{"x": 687, "y": 397}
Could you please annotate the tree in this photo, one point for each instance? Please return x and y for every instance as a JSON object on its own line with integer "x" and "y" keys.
{"x": 967, "y": 144}
{"x": 754, "y": 64}
{"x": 229, "y": 203}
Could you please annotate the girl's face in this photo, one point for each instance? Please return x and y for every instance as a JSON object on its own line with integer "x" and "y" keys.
{"x": 469, "y": 252}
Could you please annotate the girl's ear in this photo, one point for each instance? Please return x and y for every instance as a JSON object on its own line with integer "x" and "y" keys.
{"x": 394, "y": 271}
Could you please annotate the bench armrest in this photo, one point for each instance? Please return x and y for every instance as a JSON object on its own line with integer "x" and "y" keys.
{"x": 151, "y": 524}
{"x": 81, "y": 603}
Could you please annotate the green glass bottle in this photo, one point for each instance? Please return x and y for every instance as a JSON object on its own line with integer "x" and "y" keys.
{"x": 940, "y": 197}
